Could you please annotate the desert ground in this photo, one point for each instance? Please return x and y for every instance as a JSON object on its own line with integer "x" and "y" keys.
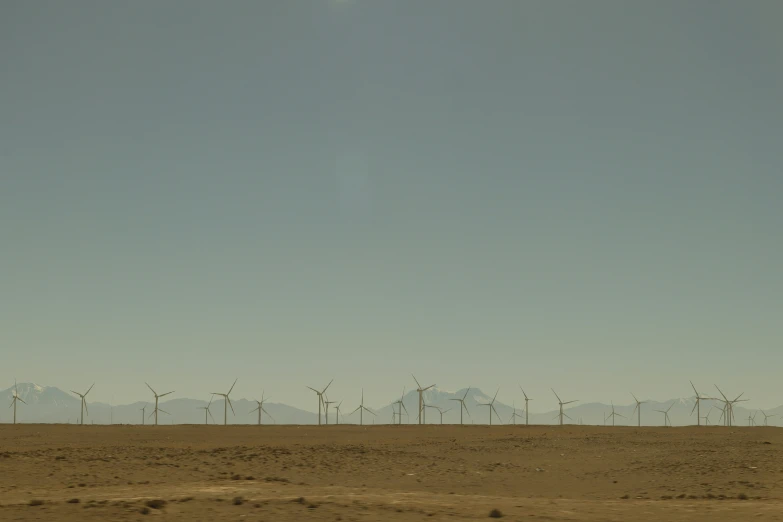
{"x": 398, "y": 473}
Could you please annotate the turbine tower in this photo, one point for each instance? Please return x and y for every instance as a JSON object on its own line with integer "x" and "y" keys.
{"x": 401, "y": 406}
{"x": 666, "y": 421}
{"x": 327, "y": 402}
{"x": 526, "y": 401}
{"x": 614, "y": 414}
{"x": 462, "y": 406}
{"x": 337, "y": 409}
{"x": 491, "y": 406}
{"x": 707, "y": 417}
{"x": 207, "y": 412}
{"x": 514, "y": 414}
{"x": 697, "y": 406}
{"x": 638, "y": 408}
{"x": 321, "y": 398}
{"x": 260, "y": 408}
{"x": 561, "y": 403}
{"x": 156, "y": 410}
{"x": 361, "y": 409}
{"x": 227, "y": 402}
{"x": 421, "y": 397}
{"x": 729, "y": 406}
{"x": 16, "y": 398}
{"x": 766, "y": 417}
{"x": 143, "y": 413}
{"x": 84, "y": 403}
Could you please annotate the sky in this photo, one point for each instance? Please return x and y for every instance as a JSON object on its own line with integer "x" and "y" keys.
{"x": 583, "y": 196}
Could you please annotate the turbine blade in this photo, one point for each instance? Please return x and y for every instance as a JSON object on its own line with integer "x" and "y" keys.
{"x": 316, "y": 391}
{"x": 417, "y": 382}
{"x": 230, "y": 405}
{"x": 428, "y": 387}
{"x": 556, "y": 395}
{"x": 327, "y": 386}
{"x": 403, "y": 407}
{"x": 466, "y": 393}
{"x": 150, "y": 387}
{"x": 85, "y": 408}
{"x": 232, "y": 386}
{"x": 495, "y": 397}
{"x": 21, "y": 399}
{"x": 167, "y": 393}
{"x": 164, "y": 411}
{"x": 88, "y": 391}
{"x": 211, "y": 417}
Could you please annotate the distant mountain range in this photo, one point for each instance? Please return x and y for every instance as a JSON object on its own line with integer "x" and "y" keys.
{"x": 47, "y": 404}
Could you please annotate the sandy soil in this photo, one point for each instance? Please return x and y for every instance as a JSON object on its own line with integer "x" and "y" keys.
{"x": 401, "y": 473}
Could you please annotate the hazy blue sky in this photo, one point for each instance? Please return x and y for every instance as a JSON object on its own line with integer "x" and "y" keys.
{"x": 579, "y": 194}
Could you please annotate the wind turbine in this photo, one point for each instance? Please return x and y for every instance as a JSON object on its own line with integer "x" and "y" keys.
{"x": 425, "y": 411}
{"x": 526, "y": 401}
{"x": 561, "y": 403}
{"x": 729, "y": 410}
{"x": 751, "y": 419}
{"x": 462, "y": 406}
{"x": 421, "y": 397}
{"x": 260, "y": 408}
{"x": 143, "y": 413}
{"x": 401, "y": 407}
{"x": 441, "y": 413}
{"x": 16, "y": 398}
{"x": 697, "y": 406}
{"x": 491, "y": 406}
{"x": 156, "y": 410}
{"x": 766, "y": 417}
{"x": 321, "y": 398}
{"x": 84, "y": 403}
{"x": 337, "y": 408}
{"x": 613, "y": 414}
{"x": 207, "y": 412}
{"x": 227, "y": 402}
{"x": 638, "y": 408}
{"x": 361, "y": 409}
{"x": 514, "y": 414}
{"x": 666, "y": 421}
{"x": 707, "y": 417}
{"x": 327, "y": 402}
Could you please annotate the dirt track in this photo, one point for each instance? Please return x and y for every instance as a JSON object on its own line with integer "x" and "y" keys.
{"x": 390, "y": 473}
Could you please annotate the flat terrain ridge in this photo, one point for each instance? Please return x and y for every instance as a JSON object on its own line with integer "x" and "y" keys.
{"x": 400, "y": 473}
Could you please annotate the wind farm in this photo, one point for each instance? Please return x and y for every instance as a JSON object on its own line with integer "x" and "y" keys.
{"x": 588, "y": 457}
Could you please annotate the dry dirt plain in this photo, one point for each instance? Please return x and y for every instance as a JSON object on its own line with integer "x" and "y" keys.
{"x": 400, "y": 473}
